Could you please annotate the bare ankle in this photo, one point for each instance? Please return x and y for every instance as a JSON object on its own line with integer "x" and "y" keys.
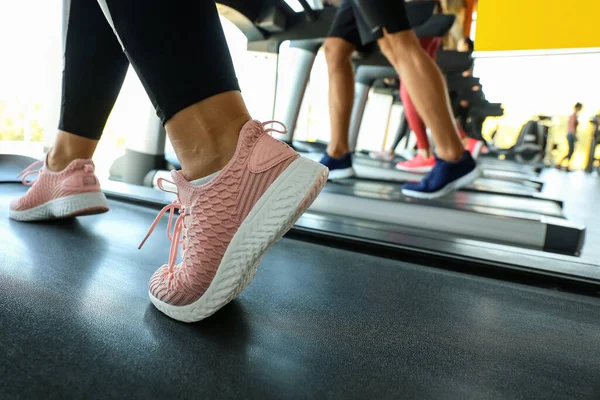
{"x": 213, "y": 152}
{"x": 337, "y": 152}
{"x": 450, "y": 155}
{"x": 425, "y": 153}
{"x": 68, "y": 147}
{"x": 56, "y": 162}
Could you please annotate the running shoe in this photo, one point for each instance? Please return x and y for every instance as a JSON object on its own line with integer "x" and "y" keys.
{"x": 339, "y": 168}
{"x": 417, "y": 164}
{"x": 382, "y": 155}
{"x": 444, "y": 178}
{"x": 71, "y": 192}
{"x": 226, "y": 226}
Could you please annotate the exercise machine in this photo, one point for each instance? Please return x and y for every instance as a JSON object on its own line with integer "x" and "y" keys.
{"x": 342, "y": 307}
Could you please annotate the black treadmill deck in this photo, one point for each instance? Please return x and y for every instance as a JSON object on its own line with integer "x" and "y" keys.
{"x": 317, "y": 322}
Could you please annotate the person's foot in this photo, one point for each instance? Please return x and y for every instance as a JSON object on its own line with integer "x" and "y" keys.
{"x": 339, "y": 168}
{"x": 227, "y": 225}
{"x": 444, "y": 178}
{"x": 417, "y": 164}
{"x": 382, "y": 155}
{"x": 71, "y": 192}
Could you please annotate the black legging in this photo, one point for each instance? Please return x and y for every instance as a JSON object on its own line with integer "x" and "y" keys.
{"x": 403, "y": 131}
{"x": 178, "y": 50}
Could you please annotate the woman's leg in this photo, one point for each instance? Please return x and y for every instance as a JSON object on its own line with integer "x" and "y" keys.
{"x": 571, "y": 143}
{"x": 454, "y": 167}
{"x": 416, "y": 123}
{"x": 403, "y": 131}
{"x": 181, "y": 56}
{"x": 423, "y": 162}
{"x": 93, "y": 73}
{"x": 239, "y": 189}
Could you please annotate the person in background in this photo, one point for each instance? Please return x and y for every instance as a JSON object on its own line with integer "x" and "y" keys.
{"x": 424, "y": 160}
{"x": 572, "y": 125}
{"x": 461, "y": 110}
{"x": 358, "y": 23}
{"x": 466, "y": 45}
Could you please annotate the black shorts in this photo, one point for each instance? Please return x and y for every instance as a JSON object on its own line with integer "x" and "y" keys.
{"x": 361, "y": 22}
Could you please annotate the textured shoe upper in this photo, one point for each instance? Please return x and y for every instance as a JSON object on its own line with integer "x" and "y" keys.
{"x": 337, "y": 163}
{"x": 211, "y": 214}
{"x": 443, "y": 173}
{"x": 77, "y": 178}
{"x": 417, "y": 161}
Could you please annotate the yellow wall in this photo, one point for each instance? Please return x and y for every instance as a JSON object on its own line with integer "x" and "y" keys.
{"x": 537, "y": 24}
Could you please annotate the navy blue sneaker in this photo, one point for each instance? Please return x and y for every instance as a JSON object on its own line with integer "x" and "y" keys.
{"x": 444, "y": 178}
{"x": 339, "y": 168}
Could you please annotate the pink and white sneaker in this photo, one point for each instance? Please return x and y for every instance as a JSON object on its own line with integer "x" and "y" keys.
{"x": 382, "y": 155}
{"x": 71, "y": 192}
{"x": 418, "y": 164}
{"x": 227, "y": 225}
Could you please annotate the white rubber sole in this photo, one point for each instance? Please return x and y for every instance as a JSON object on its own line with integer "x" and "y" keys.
{"x": 271, "y": 217}
{"x": 65, "y": 207}
{"x": 343, "y": 173}
{"x": 452, "y": 186}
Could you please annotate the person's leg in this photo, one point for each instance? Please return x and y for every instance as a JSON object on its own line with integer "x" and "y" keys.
{"x": 186, "y": 69}
{"x": 416, "y": 123}
{"x": 454, "y": 167}
{"x": 93, "y": 72}
{"x": 239, "y": 190}
{"x": 341, "y": 93}
{"x": 343, "y": 39}
{"x": 571, "y": 143}
{"x": 424, "y": 161}
{"x": 403, "y": 131}
{"x": 425, "y": 84}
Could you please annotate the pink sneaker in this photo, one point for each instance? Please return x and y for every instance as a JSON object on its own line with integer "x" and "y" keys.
{"x": 418, "y": 164}
{"x": 226, "y": 226}
{"x": 71, "y": 192}
{"x": 382, "y": 155}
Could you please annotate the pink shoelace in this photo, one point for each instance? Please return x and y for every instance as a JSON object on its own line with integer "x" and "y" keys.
{"x": 29, "y": 171}
{"x": 179, "y": 229}
{"x": 269, "y": 130}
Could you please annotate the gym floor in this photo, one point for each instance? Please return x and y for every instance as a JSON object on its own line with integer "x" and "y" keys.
{"x": 580, "y": 192}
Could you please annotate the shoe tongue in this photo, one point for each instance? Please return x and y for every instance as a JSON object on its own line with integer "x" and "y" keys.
{"x": 184, "y": 189}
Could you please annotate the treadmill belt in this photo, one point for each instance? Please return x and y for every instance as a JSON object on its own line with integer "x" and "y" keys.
{"x": 317, "y": 322}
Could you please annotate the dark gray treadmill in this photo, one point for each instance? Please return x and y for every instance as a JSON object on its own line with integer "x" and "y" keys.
{"x": 489, "y": 218}
{"x": 11, "y": 165}
{"x": 317, "y": 322}
{"x": 466, "y": 199}
{"x": 508, "y": 165}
